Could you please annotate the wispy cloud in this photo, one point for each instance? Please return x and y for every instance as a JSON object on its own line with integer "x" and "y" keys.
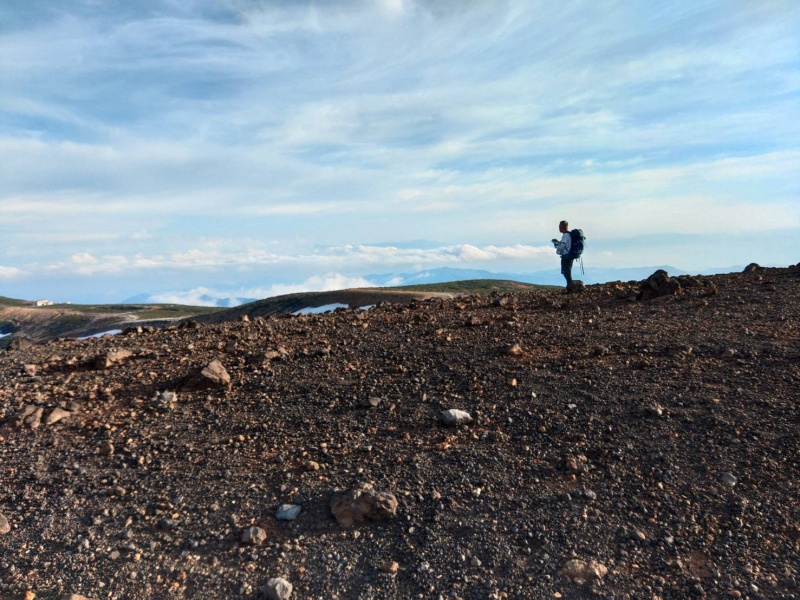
{"x": 314, "y": 124}
{"x": 349, "y": 258}
{"x": 9, "y": 272}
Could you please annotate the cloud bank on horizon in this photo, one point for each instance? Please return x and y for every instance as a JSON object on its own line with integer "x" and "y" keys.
{"x": 161, "y": 145}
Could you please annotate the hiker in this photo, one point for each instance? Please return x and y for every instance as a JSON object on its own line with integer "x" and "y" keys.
{"x": 563, "y": 248}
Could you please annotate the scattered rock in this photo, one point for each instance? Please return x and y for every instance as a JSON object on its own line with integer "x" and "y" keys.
{"x": 390, "y": 566}
{"x": 4, "y": 525}
{"x": 163, "y": 525}
{"x": 454, "y": 416}
{"x": 278, "y": 588}
{"x": 254, "y": 536}
{"x": 165, "y": 399}
{"x": 20, "y": 344}
{"x": 30, "y": 370}
{"x": 371, "y": 402}
{"x": 75, "y": 597}
{"x": 107, "y": 448}
{"x": 262, "y": 358}
{"x": 108, "y": 359}
{"x": 728, "y": 479}
{"x": 581, "y": 572}
{"x": 324, "y": 352}
{"x": 362, "y": 502}
{"x": 637, "y": 535}
{"x": 56, "y": 415}
{"x": 288, "y": 512}
{"x": 513, "y": 350}
{"x": 30, "y": 417}
{"x": 212, "y": 376}
{"x": 576, "y": 464}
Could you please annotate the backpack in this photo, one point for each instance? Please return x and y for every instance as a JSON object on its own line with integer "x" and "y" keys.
{"x": 578, "y": 243}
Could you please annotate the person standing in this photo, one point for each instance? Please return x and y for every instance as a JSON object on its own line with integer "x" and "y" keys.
{"x": 563, "y": 248}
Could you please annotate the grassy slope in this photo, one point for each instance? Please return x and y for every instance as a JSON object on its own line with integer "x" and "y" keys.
{"x": 475, "y": 286}
{"x": 4, "y": 301}
{"x": 63, "y": 320}
{"x": 366, "y": 296}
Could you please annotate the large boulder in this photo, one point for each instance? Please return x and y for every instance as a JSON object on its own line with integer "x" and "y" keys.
{"x": 576, "y": 286}
{"x": 657, "y": 285}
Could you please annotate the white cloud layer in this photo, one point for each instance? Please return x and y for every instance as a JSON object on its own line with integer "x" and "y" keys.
{"x": 216, "y": 258}
{"x": 203, "y": 296}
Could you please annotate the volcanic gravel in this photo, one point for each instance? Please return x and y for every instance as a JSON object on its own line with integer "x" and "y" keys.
{"x": 615, "y": 448}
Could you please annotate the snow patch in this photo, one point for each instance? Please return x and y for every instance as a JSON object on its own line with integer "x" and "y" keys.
{"x": 101, "y": 334}
{"x": 318, "y": 310}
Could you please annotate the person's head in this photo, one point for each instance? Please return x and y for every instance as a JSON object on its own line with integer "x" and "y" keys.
{"x": 563, "y": 226}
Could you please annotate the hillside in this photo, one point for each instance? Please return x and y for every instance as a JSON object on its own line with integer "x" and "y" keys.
{"x": 72, "y": 320}
{"x": 75, "y": 320}
{"x": 365, "y": 297}
{"x": 631, "y": 441}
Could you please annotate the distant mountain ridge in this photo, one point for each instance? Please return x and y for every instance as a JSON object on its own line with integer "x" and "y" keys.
{"x": 549, "y": 277}
{"x": 204, "y": 300}
{"x": 448, "y": 274}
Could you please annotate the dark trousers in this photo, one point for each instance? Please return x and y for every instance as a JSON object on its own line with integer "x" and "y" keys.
{"x": 566, "y": 268}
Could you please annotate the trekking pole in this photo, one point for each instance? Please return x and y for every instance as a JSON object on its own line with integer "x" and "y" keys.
{"x": 581, "y": 261}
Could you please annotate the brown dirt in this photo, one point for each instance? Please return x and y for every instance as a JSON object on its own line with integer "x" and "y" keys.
{"x": 613, "y": 437}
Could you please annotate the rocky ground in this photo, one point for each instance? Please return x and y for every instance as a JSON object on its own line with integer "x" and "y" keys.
{"x": 613, "y": 447}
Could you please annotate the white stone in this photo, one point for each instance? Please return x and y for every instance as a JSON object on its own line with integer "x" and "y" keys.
{"x": 455, "y": 416}
{"x": 288, "y": 512}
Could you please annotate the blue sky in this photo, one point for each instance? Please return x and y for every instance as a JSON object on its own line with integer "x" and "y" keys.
{"x": 254, "y": 147}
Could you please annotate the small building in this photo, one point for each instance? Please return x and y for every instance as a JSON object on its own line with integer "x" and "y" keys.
{"x": 42, "y": 303}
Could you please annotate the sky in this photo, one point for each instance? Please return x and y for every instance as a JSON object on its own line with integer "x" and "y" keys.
{"x": 254, "y": 147}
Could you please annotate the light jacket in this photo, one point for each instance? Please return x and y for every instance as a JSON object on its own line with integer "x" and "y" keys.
{"x": 565, "y": 245}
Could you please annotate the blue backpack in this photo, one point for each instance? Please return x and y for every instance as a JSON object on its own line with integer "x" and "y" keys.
{"x": 578, "y": 243}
